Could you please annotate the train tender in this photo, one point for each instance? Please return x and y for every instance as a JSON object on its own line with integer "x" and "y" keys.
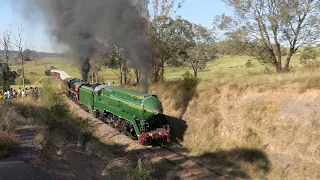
{"x": 139, "y": 115}
{"x": 60, "y": 74}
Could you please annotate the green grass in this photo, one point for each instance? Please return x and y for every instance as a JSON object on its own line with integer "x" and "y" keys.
{"x": 223, "y": 65}
{"x": 35, "y": 71}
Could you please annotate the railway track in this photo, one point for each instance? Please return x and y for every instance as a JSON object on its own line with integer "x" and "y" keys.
{"x": 186, "y": 167}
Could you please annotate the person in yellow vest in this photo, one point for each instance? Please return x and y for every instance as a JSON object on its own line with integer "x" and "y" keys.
{"x": 1, "y": 94}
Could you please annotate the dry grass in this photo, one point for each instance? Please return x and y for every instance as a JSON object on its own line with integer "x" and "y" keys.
{"x": 9, "y": 145}
{"x": 231, "y": 113}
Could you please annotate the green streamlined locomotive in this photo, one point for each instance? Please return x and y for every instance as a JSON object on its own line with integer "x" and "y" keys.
{"x": 140, "y": 115}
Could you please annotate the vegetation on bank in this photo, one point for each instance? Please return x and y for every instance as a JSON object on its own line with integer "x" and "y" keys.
{"x": 191, "y": 95}
{"x": 250, "y": 126}
{"x": 60, "y": 132}
{"x": 9, "y": 145}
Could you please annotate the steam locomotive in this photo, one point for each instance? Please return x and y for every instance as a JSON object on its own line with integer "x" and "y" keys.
{"x": 139, "y": 115}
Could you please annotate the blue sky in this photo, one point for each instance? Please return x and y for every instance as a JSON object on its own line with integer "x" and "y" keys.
{"x": 196, "y": 11}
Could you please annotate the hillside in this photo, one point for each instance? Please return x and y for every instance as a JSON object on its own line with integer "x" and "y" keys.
{"x": 223, "y": 65}
{"x": 240, "y": 120}
{"x": 248, "y": 130}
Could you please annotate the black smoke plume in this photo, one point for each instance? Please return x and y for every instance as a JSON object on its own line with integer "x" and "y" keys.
{"x": 83, "y": 24}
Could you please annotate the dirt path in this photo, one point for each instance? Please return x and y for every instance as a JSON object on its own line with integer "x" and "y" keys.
{"x": 28, "y": 165}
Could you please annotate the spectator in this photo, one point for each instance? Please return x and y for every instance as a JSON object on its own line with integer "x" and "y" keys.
{"x": 11, "y": 92}
{"x": 26, "y": 92}
{"x": 19, "y": 92}
{"x": 36, "y": 92}
{"x": 5, "y": 94}
{"x": 14, "y": 93}
{"x": 23, "y": 93}
{"x": 8, "y": 94}
{"x": 1, "y": 94}
{"x": 31, "y": 92}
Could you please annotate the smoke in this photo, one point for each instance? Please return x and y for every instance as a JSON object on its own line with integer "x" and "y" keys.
{"x": 82, "y": 24}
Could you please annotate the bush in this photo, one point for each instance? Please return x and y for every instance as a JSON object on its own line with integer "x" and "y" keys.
{"x": 189, "y": 82}
{"x": 19, "y": 71}
{"x": 308, "y": 53}
{"x": 311, "y": 65}
{"x": 249, "y": 63}
{"x": 9, "y": 145}
{"x": 19, "y": 81}
{"x": 48, "y": 94}
{"x": 267, "y": 70}
{"x": 52, "y": 67}
{"x": 141, "y": 172}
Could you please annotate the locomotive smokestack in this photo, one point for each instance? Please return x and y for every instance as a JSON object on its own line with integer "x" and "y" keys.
{"x": 83, "y": 24}
{"x": 84, "y": 68}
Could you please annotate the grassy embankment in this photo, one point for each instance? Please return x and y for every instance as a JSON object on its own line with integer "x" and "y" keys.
{"x": 252, "y": 126}
{"x": 63, "y": 135}
{"x": 241, "y": 120}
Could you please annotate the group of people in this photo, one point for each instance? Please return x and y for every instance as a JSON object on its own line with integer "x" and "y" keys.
{"x": 109, "y": 83}
{"x": 12, "y": 93}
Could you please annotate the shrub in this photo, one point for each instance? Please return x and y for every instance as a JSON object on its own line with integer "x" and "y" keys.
{"x": 52, "y": 67}
{"x": 308, "y": 53}
{"x": 141, "y": 172}
{"x": 9, "y": 145}
{"x": 189, "y": 82}
{"x": 249, "y": 63}
{"x": 19, "y": 71}
{"x": 311, "y": 65}
{"x": 20, "y": 82}
{"x": 48, "y": 94}
{"x": 176, "y": 105}
{"x": 267, "y": 70}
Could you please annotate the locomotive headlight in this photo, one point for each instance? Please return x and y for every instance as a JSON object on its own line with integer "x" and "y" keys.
{"x": 155, "y": 111}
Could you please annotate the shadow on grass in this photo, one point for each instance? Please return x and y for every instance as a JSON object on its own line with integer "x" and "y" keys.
{"x": 237, "y": 162}
{"x": 178, "y": 128}
{"x": 184, "y": 92}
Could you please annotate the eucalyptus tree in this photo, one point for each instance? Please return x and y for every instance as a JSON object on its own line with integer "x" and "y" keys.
{"x": 271, "y": 24}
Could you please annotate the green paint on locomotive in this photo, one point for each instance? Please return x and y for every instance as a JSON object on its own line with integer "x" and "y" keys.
{"x": 85, "y": 96}
{"x": 143, "y": 110}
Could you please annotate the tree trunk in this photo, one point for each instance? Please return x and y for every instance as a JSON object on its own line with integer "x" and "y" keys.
{"x": 162, "y": 70}
{"x": 120, "y": 65}
{"x": 5, "y": 66}
{"x": 286, "y": 66}
{"x": 155, "y": 72}
{"x": 22, "y": 68}
{"x": 125, "y": 71}
{"x": 4, "y": 81}
{"x": 278, "y": 67}
{"x": 121, "y": 82}
{"x": 195, "y": 72}
{"x": 92, "y": 74}
{"x": 137, "y": 78}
